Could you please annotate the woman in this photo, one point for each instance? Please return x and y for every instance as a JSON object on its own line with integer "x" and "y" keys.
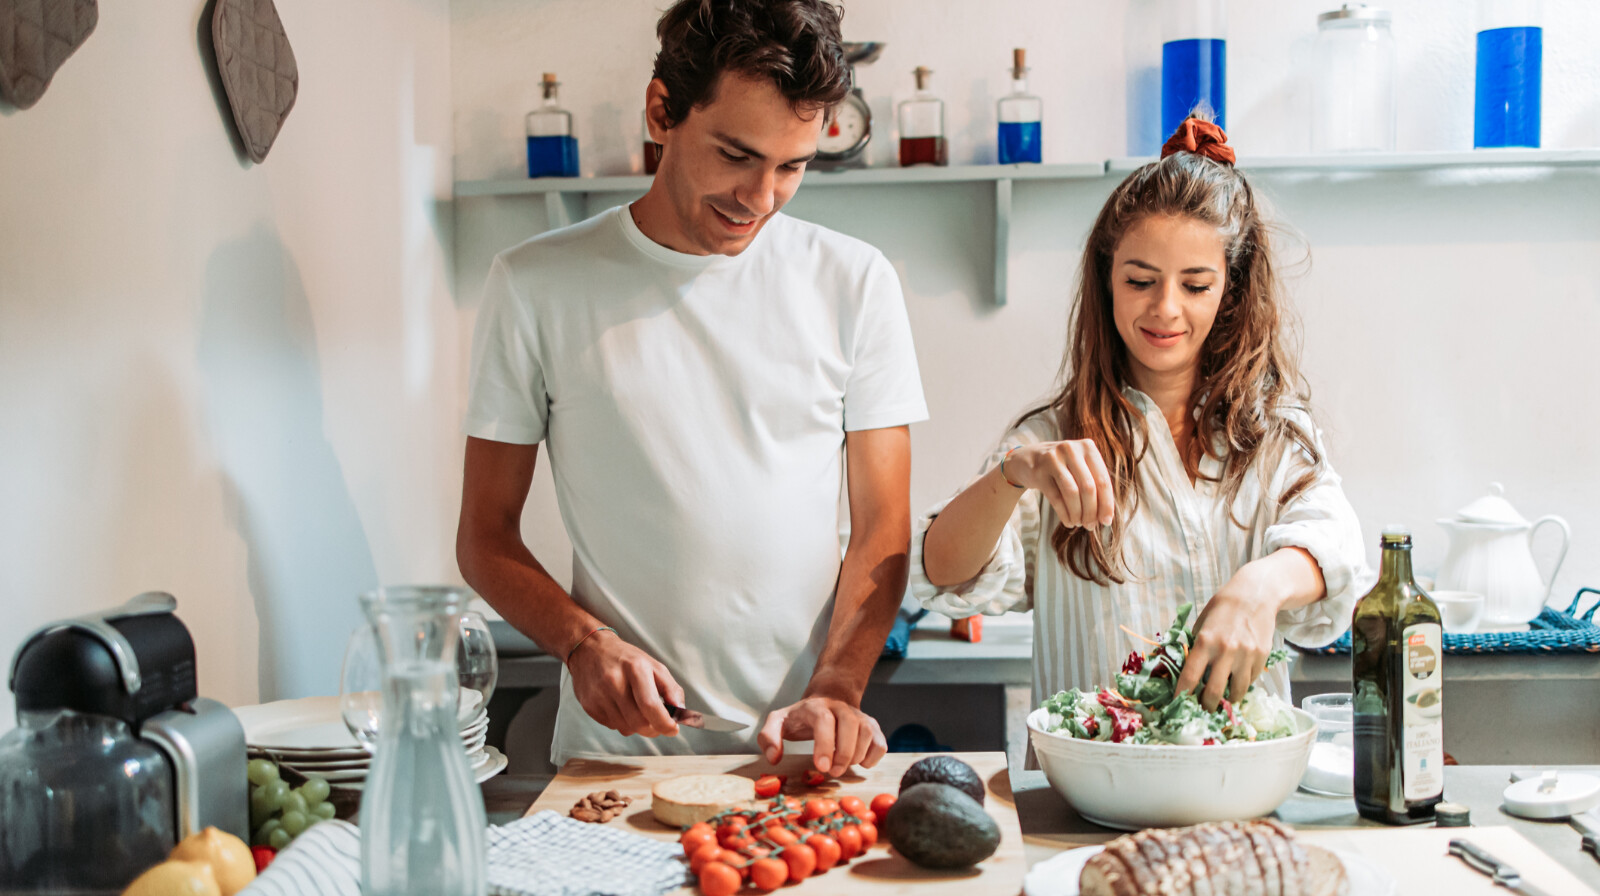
{"x": 1178, "y": 462}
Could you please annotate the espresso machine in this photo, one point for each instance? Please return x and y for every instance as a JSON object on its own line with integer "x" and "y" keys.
{"x": 115, "y": 757}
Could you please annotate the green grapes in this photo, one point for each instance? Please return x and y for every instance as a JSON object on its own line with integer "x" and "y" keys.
{"x": 278, "y": 812}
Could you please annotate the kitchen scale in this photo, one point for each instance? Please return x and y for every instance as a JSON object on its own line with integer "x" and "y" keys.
{"x": 844, "y": 141}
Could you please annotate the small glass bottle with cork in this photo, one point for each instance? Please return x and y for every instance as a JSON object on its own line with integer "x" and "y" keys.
{"x": 922, "y": 126}
{"x": 1021, "y": 115}
{"x": 552, "y": 150}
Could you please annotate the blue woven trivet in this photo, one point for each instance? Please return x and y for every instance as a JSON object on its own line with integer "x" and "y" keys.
{"x": 1554, "y": 631}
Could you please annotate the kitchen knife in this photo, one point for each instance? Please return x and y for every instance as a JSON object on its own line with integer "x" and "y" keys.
{"x": 1502, "y": 874}
{"x": 1589, "y": 826}
{"x": 703, "y": 721}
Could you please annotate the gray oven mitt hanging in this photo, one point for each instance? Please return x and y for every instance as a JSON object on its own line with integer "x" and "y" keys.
{"x": 36, "y": 36}
{"x": 257, "y": 68}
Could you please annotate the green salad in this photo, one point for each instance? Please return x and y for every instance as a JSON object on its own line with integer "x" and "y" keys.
{"x": 1143, "y": 709}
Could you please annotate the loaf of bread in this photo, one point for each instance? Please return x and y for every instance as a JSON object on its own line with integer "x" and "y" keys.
{"x": 686, "y": 799}
{"x": 1227, "y": 858}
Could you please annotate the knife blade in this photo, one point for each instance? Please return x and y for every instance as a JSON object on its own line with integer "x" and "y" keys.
{"x": 703, "y": 721}
{"x": 1502, "y": 874}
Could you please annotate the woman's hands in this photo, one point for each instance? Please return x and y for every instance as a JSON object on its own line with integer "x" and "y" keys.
{"x": 1070, "y": 475}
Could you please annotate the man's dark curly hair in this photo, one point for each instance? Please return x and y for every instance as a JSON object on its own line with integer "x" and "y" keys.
{"x": 793, "y": 43}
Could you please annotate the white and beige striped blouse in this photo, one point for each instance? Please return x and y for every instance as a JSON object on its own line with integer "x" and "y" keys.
{"x": 1181, "y": 546}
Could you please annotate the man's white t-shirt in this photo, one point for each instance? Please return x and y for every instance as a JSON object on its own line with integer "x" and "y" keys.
{"x": 694, "y": 411}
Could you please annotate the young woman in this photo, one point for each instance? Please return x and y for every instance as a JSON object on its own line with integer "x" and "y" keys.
{"x": 1178, "y": 462}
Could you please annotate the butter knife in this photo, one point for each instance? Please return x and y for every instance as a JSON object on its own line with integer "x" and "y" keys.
{"x": 1589, "y": 827}
{"x": 703, "y": 721}
{"x": 1502, "y": 874}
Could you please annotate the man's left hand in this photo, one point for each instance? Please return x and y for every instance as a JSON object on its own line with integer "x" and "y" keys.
{"x": 843, "y": 735}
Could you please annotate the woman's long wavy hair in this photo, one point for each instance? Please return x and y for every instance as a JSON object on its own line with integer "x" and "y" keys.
{"x": 1247, "y": 374}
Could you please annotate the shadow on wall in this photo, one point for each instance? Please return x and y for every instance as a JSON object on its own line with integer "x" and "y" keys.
{"x": 308, "y": 555}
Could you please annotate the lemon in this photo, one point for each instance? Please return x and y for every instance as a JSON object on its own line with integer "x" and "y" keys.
{"x": 227, "y": 855}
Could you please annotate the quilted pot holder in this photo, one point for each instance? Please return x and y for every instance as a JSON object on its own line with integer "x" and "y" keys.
{"x": 36, "y": 36}
{"x": 257, "y": 68}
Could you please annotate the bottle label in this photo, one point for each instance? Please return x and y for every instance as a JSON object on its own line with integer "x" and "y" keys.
{"x": 1422, "y": 713}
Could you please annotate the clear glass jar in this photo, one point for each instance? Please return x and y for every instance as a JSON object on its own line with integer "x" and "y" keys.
{"x": 422, "y": 819}
{"x": 1510, "y": 74}
{"x": 75, "y": 786}
{"x": 1194, "y": 63}
{"x": 1353, "y": 81}
{"x": 922, "y": 139}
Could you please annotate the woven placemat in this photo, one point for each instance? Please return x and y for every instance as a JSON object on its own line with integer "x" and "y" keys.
{"x": 257, "y": 68}
{"x": 1554, "y": 631}
{"x": 36, "y": 37}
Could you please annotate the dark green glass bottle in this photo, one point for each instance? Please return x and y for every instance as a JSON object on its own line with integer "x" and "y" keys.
{"x": 1397, "y": 693}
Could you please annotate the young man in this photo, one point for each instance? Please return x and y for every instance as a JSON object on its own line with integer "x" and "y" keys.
{"x": 705, "y": 371}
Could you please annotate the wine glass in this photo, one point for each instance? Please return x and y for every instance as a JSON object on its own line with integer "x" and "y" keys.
{"x": 361, "y": 685}
{"x": 477, "y": 663}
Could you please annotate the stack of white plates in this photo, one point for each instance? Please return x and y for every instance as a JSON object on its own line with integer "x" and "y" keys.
{"x": 309, "y": 736}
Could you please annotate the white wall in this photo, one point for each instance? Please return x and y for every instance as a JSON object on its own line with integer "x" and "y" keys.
{"x": 1446, "y": 317}
{"x": 234, "y": 382}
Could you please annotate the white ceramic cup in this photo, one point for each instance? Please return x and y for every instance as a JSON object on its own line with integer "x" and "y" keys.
{"x": 1461, "y": 611}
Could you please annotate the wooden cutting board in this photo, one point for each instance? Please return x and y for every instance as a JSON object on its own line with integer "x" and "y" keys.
{"x": 880, "y": 871}
{"x": 1419, "y": 859}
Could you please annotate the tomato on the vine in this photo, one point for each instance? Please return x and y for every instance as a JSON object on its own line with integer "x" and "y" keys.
{"x": 815, "y": 809}
{"x": 869, "y": 834}
{"x": 709, "y": 853}
{"x": 849, "y": 838}
{"x": 769, "y": 874}
{"x": 827, "y": 850}
{"x": 801, "y": 859}
{"x": 718, "y": 879}
{"x": 852, "y": 805}
{"x": 781, "y": 836}
{"x": 696, "y": 837}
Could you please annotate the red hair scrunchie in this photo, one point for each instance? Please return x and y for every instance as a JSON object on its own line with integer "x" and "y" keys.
{"x": 1201, "y": 138}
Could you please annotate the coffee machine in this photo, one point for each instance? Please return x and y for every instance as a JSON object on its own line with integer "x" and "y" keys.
{"x": 115, "y": 757}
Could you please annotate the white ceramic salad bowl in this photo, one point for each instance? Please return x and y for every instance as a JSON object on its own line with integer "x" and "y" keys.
{"x": 1135, "y": 786}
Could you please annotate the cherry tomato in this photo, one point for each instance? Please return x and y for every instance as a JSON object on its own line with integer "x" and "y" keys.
{"x": 263, "y": 856}
{"x": 768, "y": 786}
{"x": 869, "y": 834}
{"x": 781, "y": 836}
{"x": 852, "y": 805}
{"x": 742, "y": 843}
{"x": 827, "y": 850}
{"x": 793, "y": 803}
{"x": 815, "y": 809}
{"x": 731, "y": 827}
{"x": 881, "y": 804}
{"x": 769, "y": 874}
{"x": 801, "y": 859}
{"x": 711, "y": 852}
{"x": 849, "y": 838}
{"x": 814, "y": 778}
{"x": 696, "y": 837}
{"x": 717, "y": 879}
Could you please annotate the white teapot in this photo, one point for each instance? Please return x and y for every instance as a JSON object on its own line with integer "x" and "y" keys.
{"x": 1491, "y": 553}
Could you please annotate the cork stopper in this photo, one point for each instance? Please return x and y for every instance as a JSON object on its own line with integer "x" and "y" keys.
{"x": 921, "y": 73}
{"x": 1019, "y": 62}
{"x": 550, "y": 84}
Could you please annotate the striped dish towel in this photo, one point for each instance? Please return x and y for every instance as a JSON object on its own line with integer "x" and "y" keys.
{"x": 543, "y": 855}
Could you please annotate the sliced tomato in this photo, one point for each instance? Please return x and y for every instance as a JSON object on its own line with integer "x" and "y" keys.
{"x": 768, "y": 786}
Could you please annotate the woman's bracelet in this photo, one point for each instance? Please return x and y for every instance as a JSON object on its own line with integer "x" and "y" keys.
{"x": 603, "y": 628}
{"x": 1003, "y": 468}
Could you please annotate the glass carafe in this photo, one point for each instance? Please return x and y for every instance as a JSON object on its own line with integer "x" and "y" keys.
{"x": 75, "y": 786}
{"x": 422, "y": 819}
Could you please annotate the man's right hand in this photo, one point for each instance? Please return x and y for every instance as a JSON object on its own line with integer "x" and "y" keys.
{"x": 621, "y": 687}
{"x": 1072, "y": 477}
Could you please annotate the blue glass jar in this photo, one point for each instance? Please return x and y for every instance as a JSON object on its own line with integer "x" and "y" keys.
{"x": 1510, "y": 74}
{"x": 1021, "y": 117}
{"x": 1194, "y": 63}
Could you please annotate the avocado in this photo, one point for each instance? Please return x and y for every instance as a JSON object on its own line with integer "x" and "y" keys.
{"x": 938, "y": 826}
{"x": 944, "y": 770}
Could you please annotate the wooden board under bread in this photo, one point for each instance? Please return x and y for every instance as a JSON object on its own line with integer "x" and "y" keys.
{"x": 880, "y": 871}
{"x": 1419, "y": 858}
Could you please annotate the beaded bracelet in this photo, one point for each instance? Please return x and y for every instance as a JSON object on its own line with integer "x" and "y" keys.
{"x": 1003, "y": 469}
{"x": 603, "y": 628}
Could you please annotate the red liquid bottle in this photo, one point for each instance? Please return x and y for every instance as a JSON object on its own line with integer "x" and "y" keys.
{"x": 922, "y": 126}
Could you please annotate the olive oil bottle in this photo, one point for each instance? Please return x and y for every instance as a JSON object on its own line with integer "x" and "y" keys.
{"x": 1397, "y": 678}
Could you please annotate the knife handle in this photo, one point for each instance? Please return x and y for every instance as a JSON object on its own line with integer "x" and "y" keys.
{"x": 1480, "y": 859}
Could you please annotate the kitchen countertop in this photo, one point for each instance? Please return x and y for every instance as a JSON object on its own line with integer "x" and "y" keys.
{"x": 1050, "y": 826}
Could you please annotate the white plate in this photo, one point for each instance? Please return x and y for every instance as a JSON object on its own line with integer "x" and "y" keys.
{"x": 496, "y": 764}
{"x": 1058, "y": 875}
{"x": 313, "y": 727}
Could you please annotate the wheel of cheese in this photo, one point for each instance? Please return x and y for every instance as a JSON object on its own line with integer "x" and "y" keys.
{"x": 687, "y": 799}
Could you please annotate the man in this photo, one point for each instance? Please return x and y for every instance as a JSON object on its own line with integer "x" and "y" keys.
{"x": 696, "y": 362}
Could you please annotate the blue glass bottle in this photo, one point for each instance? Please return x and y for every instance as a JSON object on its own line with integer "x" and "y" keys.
{"x": 1509, "y": 76}
{"x": 1021, "y": 116}
{"x": 552, "y": 150}
{"x": 1194, "y": 63}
